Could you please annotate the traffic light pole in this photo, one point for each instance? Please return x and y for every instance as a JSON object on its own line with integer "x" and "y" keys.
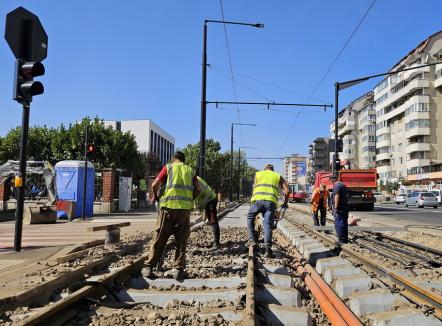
{"x": 20, "y": 180}
{"x": 83, "y": 214}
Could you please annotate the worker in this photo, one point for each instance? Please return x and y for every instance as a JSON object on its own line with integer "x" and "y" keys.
{"x": 265, "y": 195}
{"x": 141, "y": 193}
{"x": 339, "y": 203}
{"x": 318, "y": 204}
{"x": 176, "y": 203}
{"x": 207, "y": 200}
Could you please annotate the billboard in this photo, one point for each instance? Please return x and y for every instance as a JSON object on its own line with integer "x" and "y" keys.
{"x": 301, "y": 169}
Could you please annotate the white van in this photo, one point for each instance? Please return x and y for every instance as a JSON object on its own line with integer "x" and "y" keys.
{"x": 438, "y": 194}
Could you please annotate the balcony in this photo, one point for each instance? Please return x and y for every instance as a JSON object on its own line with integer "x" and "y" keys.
{"x": 383, "y": 169}
{"x": 417, "y": 147}
{"x": 347, "y": 156}
{"x": 417, "y": 131}
{"x": 411, "y": 86}
{"x": 438, "y": 81}
{"x": 383, "y": 156}
{"x": 406, "y": 75}
{"x": 384, "y": 130}
{"x": 348, "y": 127}
{"x": 416, "y": 115}
{"x": 417, "y": 162}
{"x": 401, "y": 108}
{"x": 383, "y": 143}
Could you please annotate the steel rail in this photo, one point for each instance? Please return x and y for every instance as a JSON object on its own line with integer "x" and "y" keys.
{"x": 249, "y": 315}
{"x": 333, "y": 306}
{"x": 406, "y": 252}
{"x": 408, "y": 243}
{"x": 382, "y": 252}
{"x": 425, "y": 296}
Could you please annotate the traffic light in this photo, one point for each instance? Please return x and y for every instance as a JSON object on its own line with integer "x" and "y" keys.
{"x": 24, "y": 85}
{"x": 337, "y": 164}
{"x": 90, "y": 150}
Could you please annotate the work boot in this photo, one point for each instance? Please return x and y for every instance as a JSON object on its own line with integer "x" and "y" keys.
{"x": 216, "y": 245}
{"x": 268, "y": 253}
{"x": 179, "y": 274}
{"x": 148, "y": 272}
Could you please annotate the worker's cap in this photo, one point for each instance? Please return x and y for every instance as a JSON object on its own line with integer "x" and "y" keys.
{"x": 269, "y": 167}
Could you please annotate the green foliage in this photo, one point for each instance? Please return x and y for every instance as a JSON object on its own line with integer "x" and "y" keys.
{"x": 218, "y": 166}
{"x": 113, "y": 148}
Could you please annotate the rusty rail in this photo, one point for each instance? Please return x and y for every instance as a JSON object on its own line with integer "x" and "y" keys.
{"x": 249, "y": 316}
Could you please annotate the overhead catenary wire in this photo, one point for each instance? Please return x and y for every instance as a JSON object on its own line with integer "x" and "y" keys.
{"x": 219, "y": 69}
{"x": 355, "y": 29}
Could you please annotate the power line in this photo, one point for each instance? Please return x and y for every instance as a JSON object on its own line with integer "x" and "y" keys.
{"x": 217, "y": 68}
{"x": 245, "y": 86}
{"x": 328, "y": 70}
{"x": 231, "y": 67}
{"x": 343, "y": 48}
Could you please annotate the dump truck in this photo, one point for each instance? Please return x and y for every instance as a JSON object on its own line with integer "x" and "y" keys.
{"x": 360, "y": 185}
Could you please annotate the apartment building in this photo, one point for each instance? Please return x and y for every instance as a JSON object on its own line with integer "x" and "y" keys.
{"x": 295, "y": 167}
{"x": 409, "y": 117}
{"x": 318, "y": 158}
{"x": 356, "y": 128}
{"x": 149, "y": 136}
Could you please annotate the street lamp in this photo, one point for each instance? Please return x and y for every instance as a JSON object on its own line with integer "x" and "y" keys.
{"x": 239, "y": 165}
{"x": 202, "y": 154}
{"x": 231, "y": 154}
{"x": 350, "y": 83}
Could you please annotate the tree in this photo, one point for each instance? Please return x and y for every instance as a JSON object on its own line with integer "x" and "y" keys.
{"x": 113, "y": 147}
{"x": 218, "y": 165}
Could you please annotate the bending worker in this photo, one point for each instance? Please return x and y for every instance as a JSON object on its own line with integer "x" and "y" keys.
{"x": 207, "y": 201}
{"x": 176, "y": 203}
{"x": 318, "y": 204}
{"x": 265, "y": 195}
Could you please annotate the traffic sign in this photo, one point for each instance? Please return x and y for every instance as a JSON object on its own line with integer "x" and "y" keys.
{"x": 26, "y": 36}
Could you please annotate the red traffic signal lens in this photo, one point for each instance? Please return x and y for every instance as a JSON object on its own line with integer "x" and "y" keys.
{"x": 90, "y": 148}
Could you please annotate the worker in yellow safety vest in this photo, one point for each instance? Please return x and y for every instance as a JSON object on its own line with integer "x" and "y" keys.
{"x": 176, "y": 203}
{"x": 207, "y": 200}
{"x": 265, "y": 195}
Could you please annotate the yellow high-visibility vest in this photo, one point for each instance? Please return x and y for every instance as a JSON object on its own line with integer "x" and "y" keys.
{"x": 267, "y": 186}
{"x": 206, "y": 194}
{"x": 178, "y": 193}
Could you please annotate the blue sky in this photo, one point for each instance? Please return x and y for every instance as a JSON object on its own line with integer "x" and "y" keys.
{"x": 142, "y": 59}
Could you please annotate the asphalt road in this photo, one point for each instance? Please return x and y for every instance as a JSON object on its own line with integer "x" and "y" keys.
{"x": 411, "y": 215}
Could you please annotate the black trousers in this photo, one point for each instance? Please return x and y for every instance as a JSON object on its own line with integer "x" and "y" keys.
{"x": 211, "y": 214}
{"x": 316, "y": 219}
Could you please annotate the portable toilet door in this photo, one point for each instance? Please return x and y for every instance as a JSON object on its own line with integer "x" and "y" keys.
{"x": 70, "y": 185}
{"x": 124, "y": 194}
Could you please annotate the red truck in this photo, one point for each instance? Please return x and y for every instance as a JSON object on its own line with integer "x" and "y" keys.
{"x": 360, "y": 184}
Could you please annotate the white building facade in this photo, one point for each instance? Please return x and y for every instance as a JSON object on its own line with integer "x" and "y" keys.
{"x": 409, "y": 116}
{"x": 149, "y": 136}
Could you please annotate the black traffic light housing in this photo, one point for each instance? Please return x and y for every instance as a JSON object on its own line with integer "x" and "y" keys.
{"x": 337, "y": 164}
{"x": 24, "y": 85}
{"x": 90, "y": 150}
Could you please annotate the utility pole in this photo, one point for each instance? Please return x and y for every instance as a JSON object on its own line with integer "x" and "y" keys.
{"x": 83, "y": 214}
{"x": 202, "y": 156}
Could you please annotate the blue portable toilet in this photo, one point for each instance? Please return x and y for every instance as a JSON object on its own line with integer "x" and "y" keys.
{"x": 69, "y": 177}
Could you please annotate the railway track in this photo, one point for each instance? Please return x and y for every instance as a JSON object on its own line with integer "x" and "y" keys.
{"x": 309, "y": 281}
{"x": 375, "y": 293}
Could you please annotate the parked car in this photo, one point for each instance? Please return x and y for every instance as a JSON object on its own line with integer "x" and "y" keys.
{"x": 438, "y": 194}
{"x": 400, "y": 199}
{"x": 421, "y": 199}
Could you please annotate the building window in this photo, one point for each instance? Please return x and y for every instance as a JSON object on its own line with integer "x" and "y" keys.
{"x": 420, "y": 123}
{"x": 151, "y": 141}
